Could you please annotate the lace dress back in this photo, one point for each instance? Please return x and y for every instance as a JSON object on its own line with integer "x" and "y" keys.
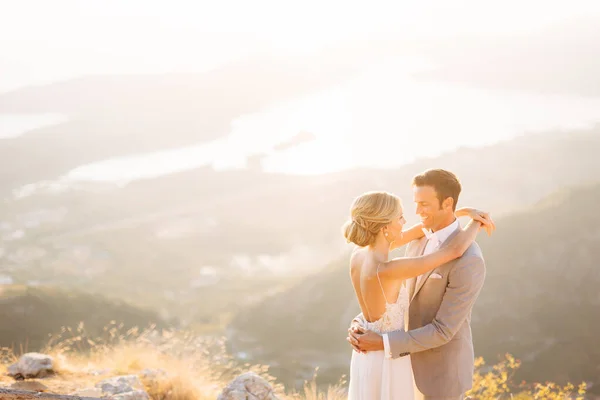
{"x": 372, "y": 375}
{"x": 393, "y": 317}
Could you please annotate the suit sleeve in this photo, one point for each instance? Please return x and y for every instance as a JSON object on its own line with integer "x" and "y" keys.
{"x": 465, "y": 281}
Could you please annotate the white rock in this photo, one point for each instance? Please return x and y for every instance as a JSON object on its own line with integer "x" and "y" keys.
{"x": 33, "y": 386}
{"x": 88, "y": 392}
{"x": 31, "y": 365}
{"x": 149, "y": 373}
{"x": 133, "y": 395}
{"x": 120, "y": 384}
{"x": 248, "y": 386}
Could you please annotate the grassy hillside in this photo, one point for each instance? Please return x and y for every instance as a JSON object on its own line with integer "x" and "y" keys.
{"x": 29, "y": 315}
{"x": 540, "y": 298}
{"x": 539, "y": 301}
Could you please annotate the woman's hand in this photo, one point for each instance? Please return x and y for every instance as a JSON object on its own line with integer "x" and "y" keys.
{"x": 486, "y": 220}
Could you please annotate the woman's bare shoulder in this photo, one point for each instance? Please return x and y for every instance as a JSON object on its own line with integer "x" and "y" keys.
{"x": 356, "y": 259}
{"x": 359, "y": 261}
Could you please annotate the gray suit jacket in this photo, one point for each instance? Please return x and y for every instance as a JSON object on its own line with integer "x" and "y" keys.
{"x": 439, "y": 337}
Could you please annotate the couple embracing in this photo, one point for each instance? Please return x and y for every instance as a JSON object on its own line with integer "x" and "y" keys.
{"x": 413, "y": 338}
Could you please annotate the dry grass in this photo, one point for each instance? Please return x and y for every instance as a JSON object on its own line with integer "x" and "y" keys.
{"x": 311, "y": 391}
{"x": 172, "y": 365}
{"x": 496, "y": 384}
{"x": 175, "y": 365}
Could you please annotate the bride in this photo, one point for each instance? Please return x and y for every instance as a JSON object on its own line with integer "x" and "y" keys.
{"x": 375, "y": 227}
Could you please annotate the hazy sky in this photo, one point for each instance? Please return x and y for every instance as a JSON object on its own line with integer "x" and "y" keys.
{"x": 47, "y": 40}
{"x": 42, "y": 40}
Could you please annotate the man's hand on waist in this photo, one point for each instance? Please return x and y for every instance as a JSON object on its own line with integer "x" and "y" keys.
{"x": 364, "y": 340}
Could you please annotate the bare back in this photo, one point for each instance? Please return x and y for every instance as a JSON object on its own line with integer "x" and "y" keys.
{"x": 371, "y": 292}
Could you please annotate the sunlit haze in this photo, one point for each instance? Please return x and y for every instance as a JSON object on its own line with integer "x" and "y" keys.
{"x": 74, "y": 39}
{"x": 43, "y": 41}
{"x": 194, "y": 167}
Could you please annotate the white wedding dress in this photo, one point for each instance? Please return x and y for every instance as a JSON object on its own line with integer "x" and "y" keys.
{"x": 374, "y": 377}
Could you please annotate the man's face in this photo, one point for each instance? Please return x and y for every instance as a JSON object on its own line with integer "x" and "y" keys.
{"x": 428, "y": 207}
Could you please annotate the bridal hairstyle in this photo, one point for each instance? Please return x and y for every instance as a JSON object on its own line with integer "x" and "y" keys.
{"x": 369, "y": 213}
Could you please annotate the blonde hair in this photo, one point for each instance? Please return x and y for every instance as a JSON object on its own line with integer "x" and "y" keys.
{"x": 369, "y": 213}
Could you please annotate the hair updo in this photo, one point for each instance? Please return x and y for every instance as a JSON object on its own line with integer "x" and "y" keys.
{"x": 369, "y": 213}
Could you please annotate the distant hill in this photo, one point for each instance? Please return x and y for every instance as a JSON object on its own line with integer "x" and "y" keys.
{"x": 29, "y": 315}
{"x": 539, "y": 302}
{"x": 113, "y": 116}
{"x": 248, "y": 230}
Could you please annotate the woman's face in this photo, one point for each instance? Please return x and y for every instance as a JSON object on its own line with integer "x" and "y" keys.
{"x": 394, "y": 228}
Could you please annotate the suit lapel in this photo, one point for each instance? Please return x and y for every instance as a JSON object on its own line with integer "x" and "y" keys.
{"x": 421, "y": 282}
{"x": 419, "y": 249}
{"x": 412, "y": 283}
{"x": 427, "y": 274}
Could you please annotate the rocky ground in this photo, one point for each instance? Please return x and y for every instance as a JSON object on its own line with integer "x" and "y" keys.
{"x": 12, "y": 394}
{"x": 34, "y": 372}
{"x": 34, "y": 376}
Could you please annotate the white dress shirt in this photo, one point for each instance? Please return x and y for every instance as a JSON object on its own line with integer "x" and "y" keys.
{"x": 434, "y": 240}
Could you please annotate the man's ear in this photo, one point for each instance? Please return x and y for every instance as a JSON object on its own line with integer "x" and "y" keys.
{"x": 448, "y": 203}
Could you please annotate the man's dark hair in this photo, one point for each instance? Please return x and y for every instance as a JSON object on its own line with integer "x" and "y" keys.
{"x": 445, "y": 183}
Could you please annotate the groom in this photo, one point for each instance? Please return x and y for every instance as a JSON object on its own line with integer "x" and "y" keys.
{"x": 438, "y": 339}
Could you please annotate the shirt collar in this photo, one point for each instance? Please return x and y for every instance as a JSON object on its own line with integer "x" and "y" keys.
{"x": 444, "y": 233}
